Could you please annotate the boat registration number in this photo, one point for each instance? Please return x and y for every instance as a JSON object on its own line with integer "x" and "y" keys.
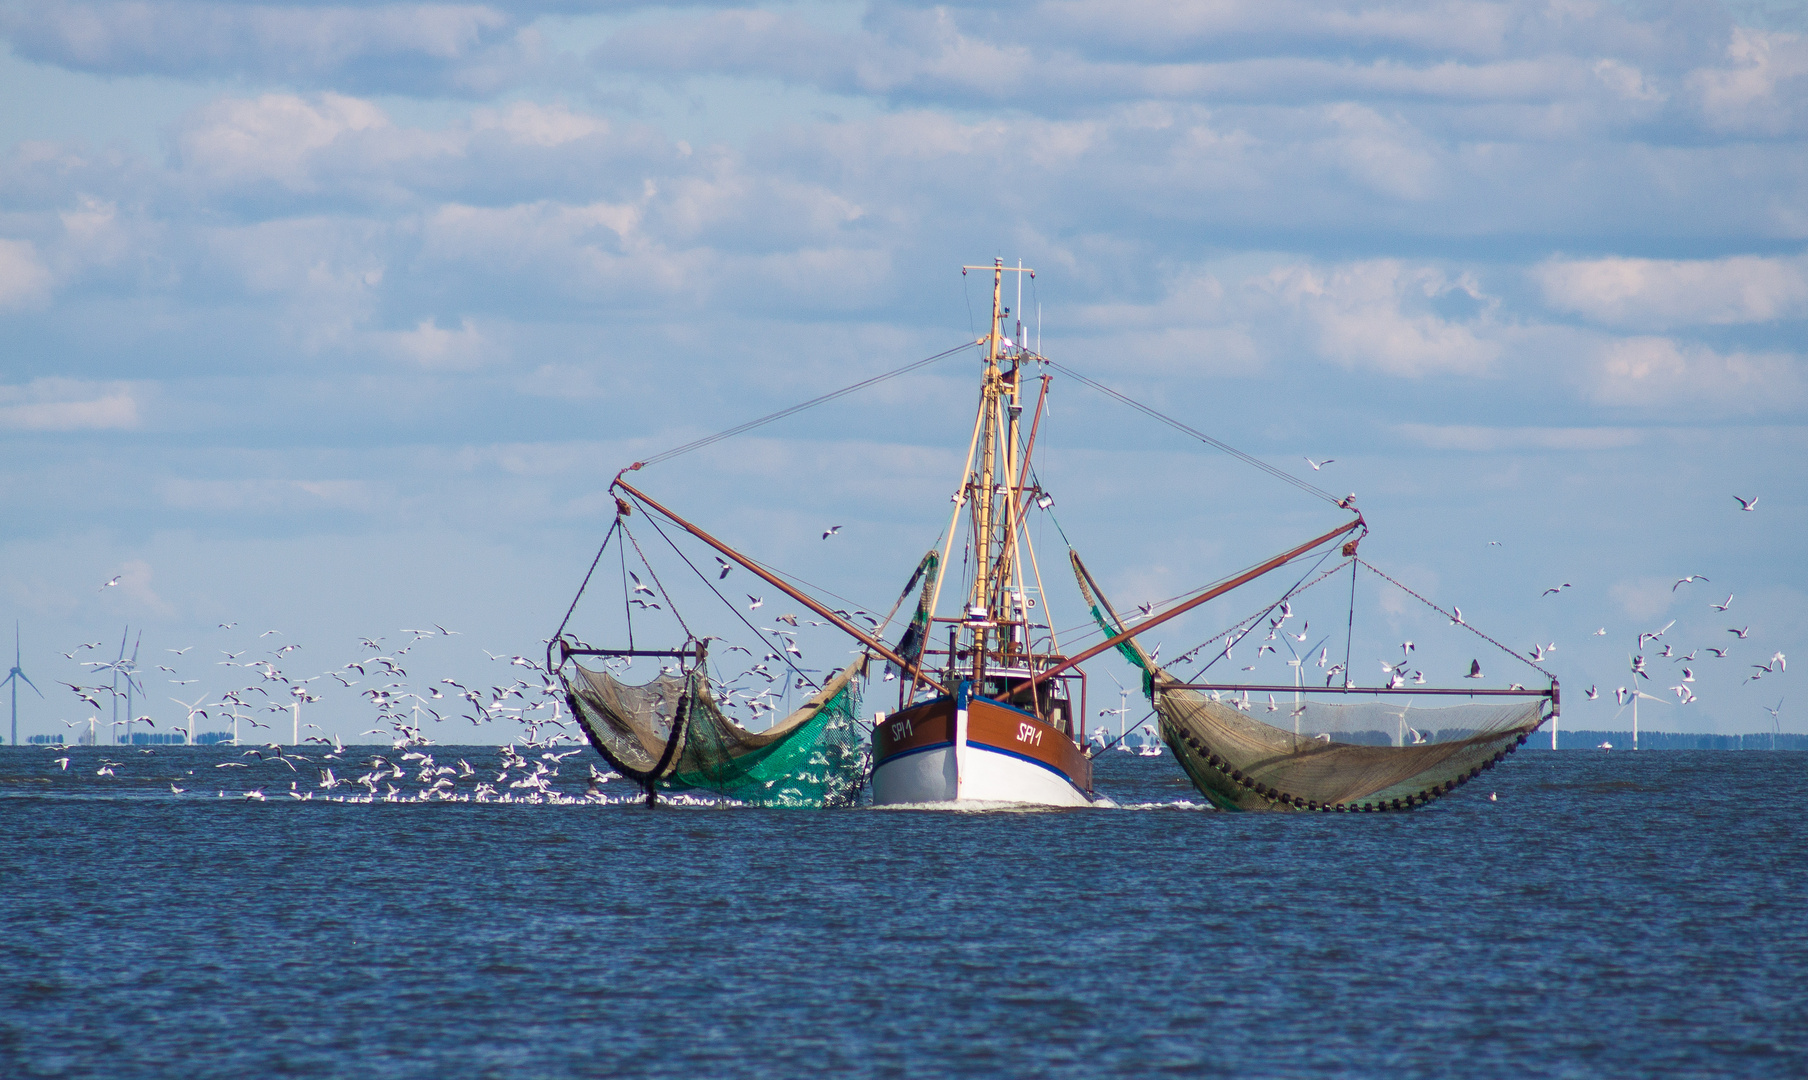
{"x": 1028, "y": 733}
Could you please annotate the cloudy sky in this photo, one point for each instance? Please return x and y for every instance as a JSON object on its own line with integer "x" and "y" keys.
{"x": 336, "y": 318}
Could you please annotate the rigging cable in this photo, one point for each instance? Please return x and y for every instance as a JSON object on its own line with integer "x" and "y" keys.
{"x": 698, "y": 444}
{"x": 725, "y": 601}
{"x": 586, "y": 583}
{"x": 1454, "y": 621}
{"x": 1254, "y": 620}
{"x": 670, "y": 606}
{"x": 1156, "y": 414}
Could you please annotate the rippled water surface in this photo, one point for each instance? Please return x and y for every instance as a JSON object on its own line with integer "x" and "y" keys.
{"x": 1609, "y": 915}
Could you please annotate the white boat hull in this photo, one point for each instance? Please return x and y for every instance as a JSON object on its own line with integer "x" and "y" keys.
{"x": 928, "y": 776}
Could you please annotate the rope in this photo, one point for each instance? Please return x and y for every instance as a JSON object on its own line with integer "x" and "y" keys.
{"x": 738, "y": 429}
{"x": 725, "y": 601}
{"x": 560, "y": 632}
{"x": 1252, "y": 620}
{"x": 1155, "y": 414}
{"x": 671, "y": 607}
{"x": 1456, "y": 621}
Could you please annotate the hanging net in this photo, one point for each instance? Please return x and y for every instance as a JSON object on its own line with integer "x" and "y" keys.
{"x": 670, "y": 734}
{"x": 1344, "y": 756}
{"x": 1303, "y": 753}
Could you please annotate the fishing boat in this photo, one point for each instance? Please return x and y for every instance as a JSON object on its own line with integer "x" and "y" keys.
{"x": 991, "y": 732}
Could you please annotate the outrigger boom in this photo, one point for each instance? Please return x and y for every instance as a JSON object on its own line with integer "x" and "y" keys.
{"x": 776, "y": 582}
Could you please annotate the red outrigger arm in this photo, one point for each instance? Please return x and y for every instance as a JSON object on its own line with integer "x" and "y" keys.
{"x": 769, "y": 578}
{"x": 1210, "y": 594}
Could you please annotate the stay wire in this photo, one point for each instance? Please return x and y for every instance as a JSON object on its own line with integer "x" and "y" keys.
{"x": 1255, "y": 619}
{"x": 738, "y": 429}
{"x": 1454, "y": 621}
{"x": 725, "y": 601}
{"x": 1156, "y": 414}
{"x": 586, "y": 582}
{"x": 670, "y": 606}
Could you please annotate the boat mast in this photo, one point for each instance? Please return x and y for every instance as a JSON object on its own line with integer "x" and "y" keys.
{"x": 988, "y": 603}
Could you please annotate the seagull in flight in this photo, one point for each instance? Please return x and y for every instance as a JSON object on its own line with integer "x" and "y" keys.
{"x": 1475, "y": 670}
{"x": 1747, "y": 505}
{"x": 1317, "y": 465}
{"x": 1680, "y": 582}
{"x": 754, "y": 602}
{"x": 1741, "y": 634}
{"x": 1593, "y": 694}
{"x": 725, "y": 565}
{"x": 638, "y": 587}
{"x": 1560, "y": 588}
{"x": 1722, "y": 607}
{"x": 832, "y": 530}
{"x": 110, "y": 584}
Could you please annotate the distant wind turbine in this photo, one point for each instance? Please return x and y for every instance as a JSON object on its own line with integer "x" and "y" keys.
{"x": 17, "y": 673}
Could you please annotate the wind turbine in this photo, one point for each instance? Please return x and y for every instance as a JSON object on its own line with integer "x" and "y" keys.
{"x": 1636, "y": 694}
{"x": 18, "y": 673}
{"x": 131, "y": 674}
{"x": 1298, "y": 665}
{"x": 1776, "y": 723}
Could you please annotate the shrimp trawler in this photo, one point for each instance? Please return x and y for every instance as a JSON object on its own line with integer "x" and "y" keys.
{"x": 1002, "y": 726}
{"x": 990, "y": 708}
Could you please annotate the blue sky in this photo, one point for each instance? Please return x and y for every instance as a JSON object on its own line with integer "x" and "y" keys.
{"x": 336, "y": 319}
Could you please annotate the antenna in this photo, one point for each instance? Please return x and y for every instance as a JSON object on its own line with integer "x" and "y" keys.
{"x": 17, "y": 673}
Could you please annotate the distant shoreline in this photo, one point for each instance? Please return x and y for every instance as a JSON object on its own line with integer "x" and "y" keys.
{"x": 1586, "y": 739}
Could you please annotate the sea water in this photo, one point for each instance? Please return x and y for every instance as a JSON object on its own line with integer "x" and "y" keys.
{"x": 1606, "y": 914}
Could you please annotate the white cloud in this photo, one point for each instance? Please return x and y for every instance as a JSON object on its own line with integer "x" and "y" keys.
{"x": 432, "y": 347}
{"x": 1687, "y": 378}
{"x": 67, "y": 405}
{"x": 24, "y": 279}
{"x": 1492, "y": 439}
{"x": 1763, "y": 88}
{"x": 1643, "y": 598}
{"x": 135, "y": 585}
{"x": 539, "y": 125}
{"x": 1662, "y": 293}
{"x": 1378, "y": 315}
{"x": 186, "y": 37}
{"x": 276, "y": 136}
